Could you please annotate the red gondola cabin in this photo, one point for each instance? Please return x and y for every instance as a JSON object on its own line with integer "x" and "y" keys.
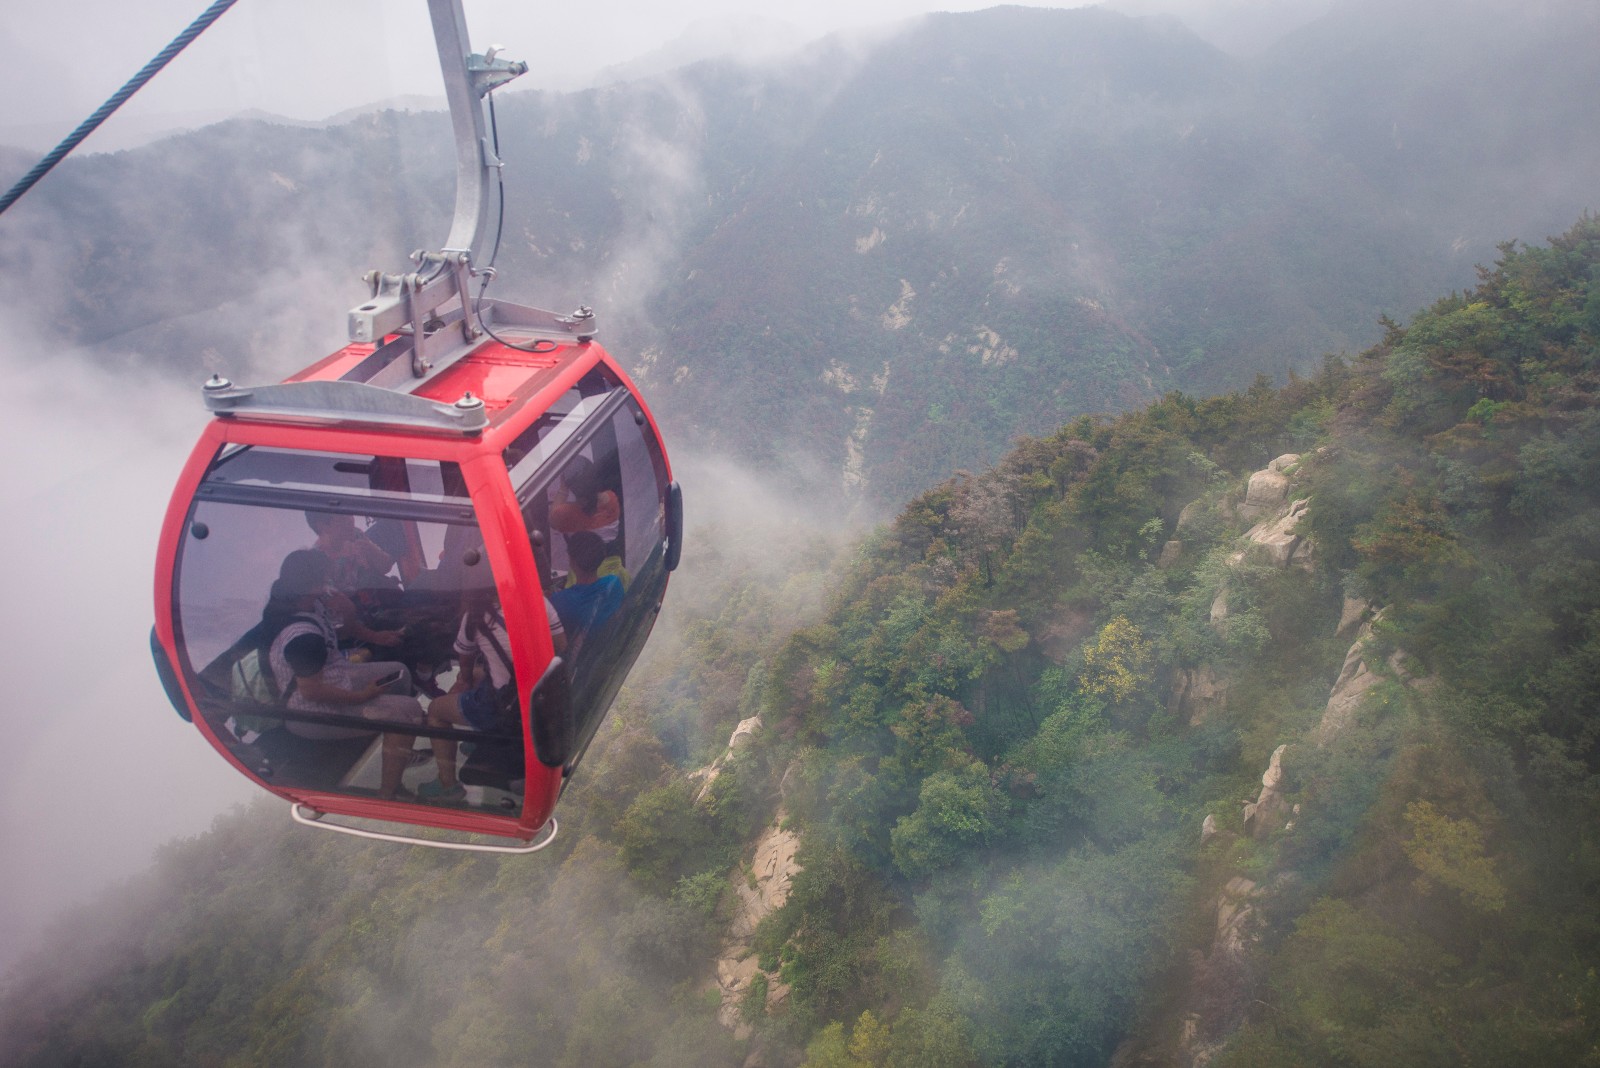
{"x": 528, "y": 487}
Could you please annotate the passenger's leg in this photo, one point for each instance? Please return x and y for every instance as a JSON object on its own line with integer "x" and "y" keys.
{"x": 396, "y": 754}
{"x": 446, "y": 712}
{"x": 393, "y": 708}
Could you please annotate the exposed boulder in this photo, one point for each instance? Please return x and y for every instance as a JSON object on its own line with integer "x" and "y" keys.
{"x": 1220, "y": 979}
{"x": 1219, "y": 607}
{"x": 742, "y": 736}
{"x": 1198, "y": 694}
{"x": 1268, "y": 812}
{"x": 1170, "y": 553}
{"x": 1234, "y": 913}
{"x": 1276, "y": 542}
{"x": 1355, "y": 679}
{"x": 766, "y": 888}
{"x": 1267, "y": 488}
{"x": 744, "y": 733}
{"x": 1350, "y": 619}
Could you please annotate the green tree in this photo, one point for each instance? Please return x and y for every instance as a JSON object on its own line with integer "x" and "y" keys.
{"x": 955, "y": 814}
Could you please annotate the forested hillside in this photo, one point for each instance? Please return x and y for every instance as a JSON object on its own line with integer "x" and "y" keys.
{"x": 1259, "y": 728}
{"x": 873, "y": 264}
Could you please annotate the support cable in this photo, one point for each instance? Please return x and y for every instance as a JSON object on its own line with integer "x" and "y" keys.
{"x": 487, "y": 272}
{"x": 89, "y": 125}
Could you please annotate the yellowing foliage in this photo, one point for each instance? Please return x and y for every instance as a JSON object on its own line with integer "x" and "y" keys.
{"x": 1450, "y": 852}
{"x": 1118, "y": 661}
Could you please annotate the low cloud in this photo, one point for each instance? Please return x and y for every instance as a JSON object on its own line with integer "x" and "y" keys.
{"x": 106, "y": 770}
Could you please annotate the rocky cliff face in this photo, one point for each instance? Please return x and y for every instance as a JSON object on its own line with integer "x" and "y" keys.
{"x": 1210, "y": 1003}
{"x": 759, "y": 889}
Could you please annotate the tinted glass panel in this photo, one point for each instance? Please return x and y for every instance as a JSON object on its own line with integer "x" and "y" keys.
{"x": 594, "y": 505}
{"x": 322, "y": 603}
{"x": 535, "y": 447}
{"x": 366, "y": 476}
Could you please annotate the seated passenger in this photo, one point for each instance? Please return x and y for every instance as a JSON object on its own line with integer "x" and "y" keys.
{"x": 584, "y": 504}
{"x": 314, "y": 675}
{"x": 475, "y": 699}
{"x": 592, "y": 598}
{"x": 356, "y": 562}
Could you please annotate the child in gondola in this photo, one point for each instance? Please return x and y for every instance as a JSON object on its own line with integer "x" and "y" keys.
{"x": 481, "y": 695}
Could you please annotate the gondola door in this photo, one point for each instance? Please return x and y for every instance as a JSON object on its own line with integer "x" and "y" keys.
{"x": 595, "y": 494}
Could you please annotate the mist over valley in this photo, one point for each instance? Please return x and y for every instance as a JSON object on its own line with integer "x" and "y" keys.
{"x": 1139, "y": 599}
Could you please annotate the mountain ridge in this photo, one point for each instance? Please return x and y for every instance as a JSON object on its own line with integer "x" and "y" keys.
{"x": 1007, "y": 736}
{"x": 1008, "y": 217}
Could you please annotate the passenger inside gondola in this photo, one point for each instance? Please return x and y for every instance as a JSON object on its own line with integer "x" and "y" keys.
{"x": 584, "y": 502}
{"x": 314, "y": 674}
{"x": 354, "y": 560}
{"x": 592, "y": 598}
{"x": 483, "y": 697}
{"x": 287, "y": 690}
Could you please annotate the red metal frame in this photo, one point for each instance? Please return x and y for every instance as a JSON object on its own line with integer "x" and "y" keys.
{"x": 516, "y": 388}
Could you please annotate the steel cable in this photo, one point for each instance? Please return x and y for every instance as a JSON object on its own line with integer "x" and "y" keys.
{"x": 120, "y": 97}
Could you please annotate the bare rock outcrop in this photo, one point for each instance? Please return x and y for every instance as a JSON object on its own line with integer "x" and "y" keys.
{"x": 1354, "y": 614}
{"x": 742, "y": 736}
{"x": 1219, "y": 606}
{"x": 1219, "y": 977}
{"x": 1171, "y": 553}
{"x": 1276, "y": 540}
{"x": 1268, "y": 812}
{"x": 1355, "y": 679}
{"x": 760, "y": 891}
{"x": 1267, "y": 488}
{"x": 766, "y": 886}
{"x": 1198, "y": 694}
{"x": 1234, "y": 912}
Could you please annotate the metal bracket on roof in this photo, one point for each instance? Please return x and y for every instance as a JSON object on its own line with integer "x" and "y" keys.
{"x": 410, "y": 305}
{"x": 423, "y": 321}
{"x": 345, "y": 402}
{"x": 390, "y": 364}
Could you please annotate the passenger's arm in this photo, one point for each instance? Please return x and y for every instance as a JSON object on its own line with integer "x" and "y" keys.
{"x": 348, "y": 620}
{"x": 469, "y": 668}
{"x": 316, "y": 688}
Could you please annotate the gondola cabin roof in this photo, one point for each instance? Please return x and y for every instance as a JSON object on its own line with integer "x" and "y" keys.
{"x": 504, "y": 383}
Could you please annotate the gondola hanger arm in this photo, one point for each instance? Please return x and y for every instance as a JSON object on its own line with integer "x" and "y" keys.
{"x": 409, "y": 304}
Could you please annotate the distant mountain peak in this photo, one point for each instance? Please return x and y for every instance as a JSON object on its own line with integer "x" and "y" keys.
{"x": 732, "y": 36}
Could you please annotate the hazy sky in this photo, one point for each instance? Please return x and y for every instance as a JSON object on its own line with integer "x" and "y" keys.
{"x": 310, "y": 59}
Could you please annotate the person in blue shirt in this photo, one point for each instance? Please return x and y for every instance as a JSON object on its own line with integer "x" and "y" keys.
{"x": 593, "y": 598}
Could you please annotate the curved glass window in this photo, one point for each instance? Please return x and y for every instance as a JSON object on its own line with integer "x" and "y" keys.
{"x": 591, "y": 480}
{"x": 325, "y": 603}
